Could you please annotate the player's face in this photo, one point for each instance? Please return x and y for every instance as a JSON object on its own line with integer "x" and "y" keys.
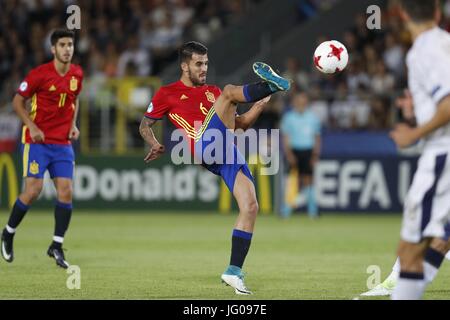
{"x": 63, "y": 50}
{"x": 198, "y": 69}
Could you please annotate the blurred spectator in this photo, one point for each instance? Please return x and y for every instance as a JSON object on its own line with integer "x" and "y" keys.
{"x": 136, "y": 55}
{"x": 360, "y": 107}
{"x": 182, "y": 13}
{"x": 342, "y": 115}
{"x": 380, "y": 117}
{"x": 295, "y": 73}
{"x": 393, "y": 56}
{"x": 146, "y": 35}
{"x": 166, "y": 38}
{"x": 361, "y": 31}
{"x": 96, "y": 62}
{"x": 351, "y": 43}
{"x": 371, "y": 59}
{"x": 111, "y": 60}
{"x": 356, "y": 77}
{"x": 382, "y": 81}
{"x": 319, "y": 105}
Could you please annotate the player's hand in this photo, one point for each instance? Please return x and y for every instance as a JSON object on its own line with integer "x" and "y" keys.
{"x": 74, "y": 133}
{"x": 36, "y": 134}
{"x": 403, "y": 135}
{"x": 155, "y": 152}
{"x": 406, "y": 104}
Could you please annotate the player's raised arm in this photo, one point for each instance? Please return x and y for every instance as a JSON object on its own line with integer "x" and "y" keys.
{"x": 156, "y": 149}
{"x": 19, "y": 105}
{"x": 246, "y": 120}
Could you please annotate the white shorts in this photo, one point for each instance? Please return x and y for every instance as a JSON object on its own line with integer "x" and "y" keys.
{"x": 427, "y": 205}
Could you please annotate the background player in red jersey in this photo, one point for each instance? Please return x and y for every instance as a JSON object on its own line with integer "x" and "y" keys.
{"x": 191, "y": 100}
{"x": 48, "y": 128}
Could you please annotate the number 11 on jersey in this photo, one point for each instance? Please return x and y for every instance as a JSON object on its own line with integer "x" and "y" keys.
{"x": 62, "y": 99}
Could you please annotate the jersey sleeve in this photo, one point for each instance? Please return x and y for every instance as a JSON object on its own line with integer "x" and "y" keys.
{"x": 29, "y": 85}
{"x": 435, "y": 76}
{"x": 158, "y": 107}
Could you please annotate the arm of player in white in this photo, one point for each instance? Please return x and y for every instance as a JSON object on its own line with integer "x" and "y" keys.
{"x": 432, "y": 79}
{"x": 404, "y": 135}
{"x": 19, "y": 105}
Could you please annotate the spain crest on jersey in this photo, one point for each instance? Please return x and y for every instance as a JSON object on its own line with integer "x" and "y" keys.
{"x": 210, "y": 97}
{"x": 73, "y": 84}
{"x": 34, "y": 167}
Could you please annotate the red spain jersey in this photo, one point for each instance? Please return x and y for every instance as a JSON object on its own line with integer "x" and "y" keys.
{"x": 52, "y": 101}
{"x": 185, "y": 106}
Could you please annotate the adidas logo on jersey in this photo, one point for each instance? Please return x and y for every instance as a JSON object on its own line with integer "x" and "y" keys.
{"x": 183, "y": 97}
{"x": 52, "y": 88}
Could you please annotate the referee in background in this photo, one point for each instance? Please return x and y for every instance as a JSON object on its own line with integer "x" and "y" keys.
{"x": 300, "y": 129}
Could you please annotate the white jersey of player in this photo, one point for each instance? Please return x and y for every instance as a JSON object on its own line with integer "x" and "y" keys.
{"x": 427, "y": 204}
{"x": 428, "y": 64}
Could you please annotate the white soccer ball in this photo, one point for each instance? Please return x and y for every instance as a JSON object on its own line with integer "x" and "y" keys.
{"x": 331, "y": 57}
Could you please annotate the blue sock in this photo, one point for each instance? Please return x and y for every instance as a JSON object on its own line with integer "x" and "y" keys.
{"x": 63, "y": 213}
{"x": 256, "y": 91}
{"x": 240, "y": 244}
{"x": 18, "y": 212}
{"x": 311, "y": 199}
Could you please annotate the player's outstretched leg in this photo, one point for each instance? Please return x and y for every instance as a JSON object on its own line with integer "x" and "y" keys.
{"x": 33, "y": 187}
{"x": 245, "y": 194}
{"x": 231, "y": 94}
{"x": 276, "y": 82}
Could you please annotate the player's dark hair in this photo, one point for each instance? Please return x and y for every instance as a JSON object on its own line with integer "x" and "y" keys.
{"x": 189, "y": 48}
{"x": 61, "y": 33}
{"x": 420, "y": 10}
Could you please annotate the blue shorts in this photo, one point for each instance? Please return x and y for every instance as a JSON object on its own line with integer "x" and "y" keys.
{"x": 58, "y": 159}
{"x": 225, "y": 160}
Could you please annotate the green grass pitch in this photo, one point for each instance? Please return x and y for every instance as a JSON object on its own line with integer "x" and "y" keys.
{"x": 134, "y": 255}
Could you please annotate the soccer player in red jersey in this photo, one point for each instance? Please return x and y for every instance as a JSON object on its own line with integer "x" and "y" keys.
{"x": 46, "y": 139}
{"x": 191, "y": 100}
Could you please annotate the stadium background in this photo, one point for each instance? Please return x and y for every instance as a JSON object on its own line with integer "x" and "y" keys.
{"x": 128, "y": 49}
